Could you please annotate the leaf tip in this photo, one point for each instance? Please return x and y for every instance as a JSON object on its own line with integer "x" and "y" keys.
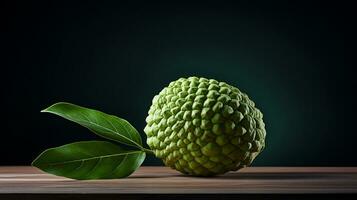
{"x": 34, "y": 163}
{"x": 48, "y": 109}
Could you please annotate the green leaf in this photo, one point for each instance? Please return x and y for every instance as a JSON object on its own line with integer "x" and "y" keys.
{"x": 104, "y": 125}
{"x": 89, "y": 160}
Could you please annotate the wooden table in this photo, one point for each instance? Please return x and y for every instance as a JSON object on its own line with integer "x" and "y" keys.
{"x": 162, "y": 182}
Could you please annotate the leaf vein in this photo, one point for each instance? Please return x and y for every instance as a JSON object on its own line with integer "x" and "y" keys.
{"x": 95, "y": 157}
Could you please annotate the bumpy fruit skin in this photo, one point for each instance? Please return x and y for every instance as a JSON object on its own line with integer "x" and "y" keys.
{"x": 203, "y": 127}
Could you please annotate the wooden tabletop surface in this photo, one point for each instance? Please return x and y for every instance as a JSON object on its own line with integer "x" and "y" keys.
{"x": 162, "y": 180}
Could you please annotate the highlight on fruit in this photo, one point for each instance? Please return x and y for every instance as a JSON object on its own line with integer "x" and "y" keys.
{"x": 198, "y": 126}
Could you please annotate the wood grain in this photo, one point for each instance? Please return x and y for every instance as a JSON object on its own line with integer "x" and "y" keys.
{"x": 162, "y": 180}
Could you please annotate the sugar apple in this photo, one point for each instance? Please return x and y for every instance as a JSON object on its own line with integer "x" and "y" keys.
{"x": 203, "y": 127}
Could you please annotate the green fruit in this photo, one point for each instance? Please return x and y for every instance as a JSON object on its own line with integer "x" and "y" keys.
{"x": 203, "y": 127}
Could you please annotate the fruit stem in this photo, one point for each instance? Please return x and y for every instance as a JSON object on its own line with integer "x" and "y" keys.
{"x": 149, "y": 151}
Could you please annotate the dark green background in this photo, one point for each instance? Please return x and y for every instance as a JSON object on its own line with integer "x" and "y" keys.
{"x": 294, "y": 60}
